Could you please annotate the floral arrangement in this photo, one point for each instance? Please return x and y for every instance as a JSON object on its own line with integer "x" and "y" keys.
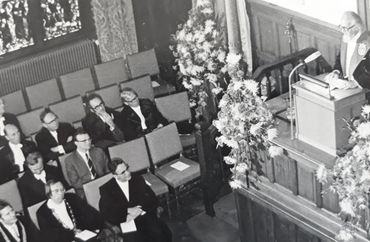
{"x": 245, "y": 123}
{"x": 351, "y": 176}
{"x": 200, "y": 54}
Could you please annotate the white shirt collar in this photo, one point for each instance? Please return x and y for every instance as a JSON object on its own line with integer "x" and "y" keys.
{"x": 19, "y": 158}
{"x": 124, "y": 188}
{"x": 41, "y": 176}
{"x": 60, "y": 211}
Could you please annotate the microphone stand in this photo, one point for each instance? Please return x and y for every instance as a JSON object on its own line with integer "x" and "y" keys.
{"x": 291, "y": 98}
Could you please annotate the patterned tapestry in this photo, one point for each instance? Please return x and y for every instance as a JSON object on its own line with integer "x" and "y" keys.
{"x": 115, "y": 27}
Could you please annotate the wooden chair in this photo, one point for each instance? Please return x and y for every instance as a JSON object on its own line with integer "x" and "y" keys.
{"x": 30, "y": 122}
{"x": 136, "y": 155}
{"x": 62, "y": 162}
{"x": 142, "y": 85}
{"x": 9, "y": 191}
{"x": 14, "y": 102}
{"x": 163, "y": 144}
{"x": 91, "y": 190}
{"x": 111, "y": 96}
{"x": 176, "y": 108}
{"x": 71, "y": 110}
{"x": 43, "y": 93}
{"x": 77, "y": 83}
{"x": 111, "y": 72}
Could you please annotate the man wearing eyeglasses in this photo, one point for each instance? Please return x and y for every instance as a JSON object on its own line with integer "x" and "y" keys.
{"x": 102, "y": 123}
{"x": 86, "y": 163}
{"x": 55, "y": 138}
{"x": 354, "y": 47}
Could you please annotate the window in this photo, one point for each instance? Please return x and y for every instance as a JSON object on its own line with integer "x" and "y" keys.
{"x": 326, "y": 10}
{"x": 22, "y": 22}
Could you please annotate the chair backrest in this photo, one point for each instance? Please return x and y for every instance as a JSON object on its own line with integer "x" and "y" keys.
{"x": 30, "y": 121}
{"x": 163, "y": 143}
{"x": 71, "y": 110}
{"x": 14, "y": 102}
{"x": 133, "y": 152}
{"x": 9, "y": 191}
{"x": 91, "y": 190}
{"x": 143, "y": 63}
{"x": 111, "y": 96}
{"x": 174, "y": 107}
{"x": 32, "y": 210}
{"x": 77, "y": 83}
{"x": 62, "y": 161}
{"x": 111, "y": 72}
{"x": 142, "y": 85}
{"x": 43, "y": 93}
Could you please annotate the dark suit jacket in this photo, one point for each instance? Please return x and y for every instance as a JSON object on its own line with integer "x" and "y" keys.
{"x": 113, "y": 206}
{"x": 10, "y": 119}
{"x": 21, "y": 229}
{"x": 99, "y": 131}
{"x": 8, "y": 170}
{"x": 45, "y": 141}
{"x": 131, "y": 122}
{"x": 33, "y": 190}
{"x": 78, "y": 172}
{"x": 53, "y": 231}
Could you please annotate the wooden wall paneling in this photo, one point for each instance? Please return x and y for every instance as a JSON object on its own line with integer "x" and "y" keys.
{"x": 283, "y": 41}
{"x": 330, "y": 200}
{"x": 268, "y": 166}
{"x": 306, "y": 183}
{"x": 283, "y": 230}
{"x": 245, "y": 218}
{"x": 270, "y": 226}
{"x": 260, "y": 223}
{"x": 304, "y": 39}
{"x": 286, "y": 173}
{"x": 303, "y": 236}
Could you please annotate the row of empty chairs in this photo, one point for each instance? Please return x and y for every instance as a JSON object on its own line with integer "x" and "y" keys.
{"x": 81, "y": 81}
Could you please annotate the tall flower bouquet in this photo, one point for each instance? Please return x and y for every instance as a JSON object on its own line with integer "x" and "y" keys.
{"x": 245, "y": 123}
{"x": 351, "y": 176}
{"x": 200, "y": 54}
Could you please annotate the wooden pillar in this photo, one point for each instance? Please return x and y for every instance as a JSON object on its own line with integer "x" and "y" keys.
{"x": 232, "y": 26}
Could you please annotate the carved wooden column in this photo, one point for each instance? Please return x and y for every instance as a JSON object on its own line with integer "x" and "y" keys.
{"x": 115, "y": 28}
{"x": 232, "y": 26}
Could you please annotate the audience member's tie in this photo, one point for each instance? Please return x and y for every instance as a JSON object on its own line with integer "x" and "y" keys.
{"x": 91, "y": 166}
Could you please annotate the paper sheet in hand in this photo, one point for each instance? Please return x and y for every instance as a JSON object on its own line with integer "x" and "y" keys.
{"x": 155, "y": 84}
{"x": 180, "y": 166}
{"x": 127, "y": 227}
{"x": 85, "y": 235}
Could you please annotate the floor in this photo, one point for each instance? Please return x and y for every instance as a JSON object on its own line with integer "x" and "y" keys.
{"x": 193, "y": 225}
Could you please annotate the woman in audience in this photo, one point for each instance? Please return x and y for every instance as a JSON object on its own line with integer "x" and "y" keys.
{"x": 11, "y": 227}
{"x": 64, "y": 215}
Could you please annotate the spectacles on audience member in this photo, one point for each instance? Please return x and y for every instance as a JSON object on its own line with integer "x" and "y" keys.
{"x": 132, "y": 99}
{"x": 345, "y": 29}
{"x": 51, "y": 121}
{"x": 123, "y": 172}
{"x": 58, "y": 190}
{"x": 84, "y": 140}
{"x": 100, "y": 105}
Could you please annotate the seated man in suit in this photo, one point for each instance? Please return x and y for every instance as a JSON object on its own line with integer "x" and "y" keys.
{"x": 55, "y": 138}
{"x": 6, "y": 118}
{"x": 14, "y": 153}
{"x": 64, "y": 215}
{"x": 85, "y": 163}
{"x": 102, "y": 123}
{"x": 11, "y": 226}
{"x": 32, "y": 183}
{"x": 139, "y": 116}
{"x": 127, "y": 198}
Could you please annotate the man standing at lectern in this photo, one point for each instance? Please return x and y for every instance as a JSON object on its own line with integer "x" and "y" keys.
{"x": 354, "y": 47}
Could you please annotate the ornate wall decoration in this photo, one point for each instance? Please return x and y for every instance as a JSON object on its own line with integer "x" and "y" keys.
{"x": 115, "y": 28}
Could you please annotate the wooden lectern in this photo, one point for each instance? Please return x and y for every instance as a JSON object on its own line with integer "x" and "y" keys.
{"x": 320, "y": 113}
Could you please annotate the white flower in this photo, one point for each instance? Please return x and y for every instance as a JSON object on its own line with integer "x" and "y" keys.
{"x": 364, "y": 130}
{"x": 366, "y": 109}
{"x": 255, "y": 128}
{"x": 241, "y": 167}
{"x": 272, "y": 133}
{"x": 216, "y": 90}
{"x": 346, "y": 207}
{"x": 209, "y": 26}
{"x": 229, "y": 160}
{"x": 207, "y": 11}
{"x": 235, "y": 184}
{"x": 275, "y": 151}
{"x": 365, "y": 176}
{"x": 322, "y": 174}
{"x": 221, "y": 56}
{"x": 252, "y": 86}
{"x": 233, "y": 59}
{"x": 195, "y": 82}
{"x": 344, "y": 235}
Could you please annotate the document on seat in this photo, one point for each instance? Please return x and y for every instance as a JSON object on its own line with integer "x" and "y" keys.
{"x": 180, "y": 166}
{"x": 127, "y": 227}
{"x": 155, "y": 84}
{"x": 85, "y": 235}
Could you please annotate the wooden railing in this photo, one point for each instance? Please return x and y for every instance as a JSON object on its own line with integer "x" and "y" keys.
{"x": 273, "y": 77}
